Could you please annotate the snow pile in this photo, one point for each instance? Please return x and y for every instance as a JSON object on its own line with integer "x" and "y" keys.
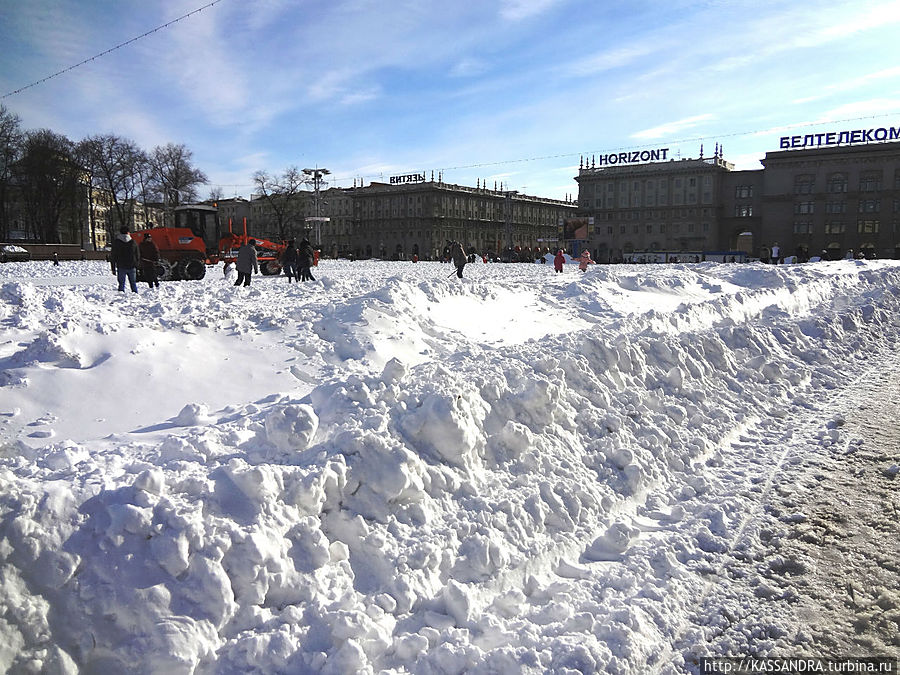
{"x": 367, "y": 473}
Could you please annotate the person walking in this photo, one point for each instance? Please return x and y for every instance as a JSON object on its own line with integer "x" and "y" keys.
{"x": 247, "y": 263}
{"x": 558, "y": 261}
{"x": 124, "y": 259}
{"x": 289, "y": 260}
{"x": 585, "y": 260}
{"x": 305, "y": 257}
{"x": 55, "y": 258}
{"x": 458, "y": 255}
{"x": 150, "y": 261}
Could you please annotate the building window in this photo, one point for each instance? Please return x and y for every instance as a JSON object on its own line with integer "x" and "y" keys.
{"x": 836, "y": 207}
{"x": 743, "y": 210}
{"x": 804, "y": 207}
{"x": 649, "y": 229}
{"x": 621, "y": 229}
{"x": 867, "y": 226}
{"x": 743, "y": 191}
{"x": 803, "y": 227}
{"x": 837, "y": 183}
{"x": 870, "y": 182}
{"x": 804, "y": 184}
{"x": 869, "y": 205}
{"x": 609, "y": 229}
{"x": 834, "y": 227}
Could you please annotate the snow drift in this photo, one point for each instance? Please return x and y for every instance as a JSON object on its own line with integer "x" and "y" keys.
{"x": 390, "y": 470}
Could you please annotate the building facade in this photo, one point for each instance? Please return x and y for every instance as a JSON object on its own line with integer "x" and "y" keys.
{"x": 834, "y": 200}
{"x": 673, "y": 205}
{"x": 807, "y": 201}
{"x": 399, "y": 221}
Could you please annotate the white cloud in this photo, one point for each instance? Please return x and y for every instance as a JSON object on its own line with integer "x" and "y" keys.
{"x": 855, "y": 82}
{"x": 517, "y": 10}
{"x": 672, "y": 127}
{"x": 468, "y": 67}
{"x": 610, "y": 59}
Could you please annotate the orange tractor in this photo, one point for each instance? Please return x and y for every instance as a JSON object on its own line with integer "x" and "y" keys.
{"x": 194, "y": 242}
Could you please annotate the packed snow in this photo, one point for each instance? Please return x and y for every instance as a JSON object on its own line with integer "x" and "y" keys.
{"x": 394, "y": 470}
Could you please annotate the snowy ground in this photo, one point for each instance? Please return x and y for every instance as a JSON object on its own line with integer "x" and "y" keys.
{"x": 392, "y": 470}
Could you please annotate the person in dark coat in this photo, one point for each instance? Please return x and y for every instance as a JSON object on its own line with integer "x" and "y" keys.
{"x": 305, "y": 257}
{"x": 458, "y": 255}
{"x": 150, "y": 261}
{"x": 289, "y": 261}
{"x": 247, "y": 263}
{"x": 55, "y": 258}
{"x": 124, "y": 259}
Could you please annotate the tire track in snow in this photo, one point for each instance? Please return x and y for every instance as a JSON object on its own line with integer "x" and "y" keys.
{"x": 773, "y": 485}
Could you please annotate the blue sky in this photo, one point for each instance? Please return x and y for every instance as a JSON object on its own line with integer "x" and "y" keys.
{"x": 510, "y": 91}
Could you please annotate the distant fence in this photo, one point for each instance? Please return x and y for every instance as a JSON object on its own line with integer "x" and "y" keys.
{"x": 64, "y": 251}
{"x": 685, "y": 256}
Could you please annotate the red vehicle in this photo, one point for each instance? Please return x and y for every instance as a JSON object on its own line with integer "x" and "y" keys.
{"x": 195, "y": 241}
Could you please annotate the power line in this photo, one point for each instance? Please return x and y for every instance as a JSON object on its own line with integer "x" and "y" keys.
{"x": 111, "y": 49}
{"x": 734, "y": 134}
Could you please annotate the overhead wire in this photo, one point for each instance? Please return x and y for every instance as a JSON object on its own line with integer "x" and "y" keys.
{"x": 110, "y": 50}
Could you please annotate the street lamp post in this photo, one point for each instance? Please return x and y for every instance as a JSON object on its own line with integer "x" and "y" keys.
{"x": 317, "y": 177}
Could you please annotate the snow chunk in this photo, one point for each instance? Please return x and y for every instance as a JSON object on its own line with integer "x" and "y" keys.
{"x": 193, "y": 414}
{"x": 292, "y": 427}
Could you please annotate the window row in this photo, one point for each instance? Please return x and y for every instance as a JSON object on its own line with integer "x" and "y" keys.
{"x": 661, "y": 228}
{"x": 863, "y": 226}
{"x": 837, "y": 183}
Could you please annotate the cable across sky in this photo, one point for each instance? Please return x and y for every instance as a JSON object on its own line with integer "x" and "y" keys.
{"x": 110, "y": 50}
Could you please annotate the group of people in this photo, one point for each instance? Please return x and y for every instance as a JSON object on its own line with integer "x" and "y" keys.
{"x": 297, "y": 262}
{"x": 583, "y": 260}
{"x": 126, "y": 257}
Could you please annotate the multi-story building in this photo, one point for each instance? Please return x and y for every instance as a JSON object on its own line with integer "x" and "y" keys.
{"x": 419, "y": 217}
{"x": 663, "y": 206}
{"x": 400, "y": 220}
{"x": 835, "y": 199}
{"x": 233, "y": 211}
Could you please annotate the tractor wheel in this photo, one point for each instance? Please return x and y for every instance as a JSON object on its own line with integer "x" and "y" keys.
{"x": 270, "y": 268}
{"x": 194, "y": 269}
{"x": 165, "y": 271}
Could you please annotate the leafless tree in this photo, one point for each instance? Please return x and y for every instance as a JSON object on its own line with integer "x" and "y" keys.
{"x": 116, "y": 165}
{"x": 10, "y": 150}
{"x": 284, "y": 198}
{"x": 52, "y": 185}
{"x": 178, "y": 180}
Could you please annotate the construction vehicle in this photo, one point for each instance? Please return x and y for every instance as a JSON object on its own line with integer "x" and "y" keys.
{"x": 195, "y": 242}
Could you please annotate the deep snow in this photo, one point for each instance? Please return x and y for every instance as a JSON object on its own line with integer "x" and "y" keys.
{"x": 394, "y": 470}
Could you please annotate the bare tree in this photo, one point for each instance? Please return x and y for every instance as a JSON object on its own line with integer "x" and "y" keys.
{"x": 10, "y": 150}
{"x": 176, "y": 177}
{"x": 116, "y": 165}
{"x": 216, "y": 193}
{"x": 284, "y": 198}
{"x": 52, "y": 184}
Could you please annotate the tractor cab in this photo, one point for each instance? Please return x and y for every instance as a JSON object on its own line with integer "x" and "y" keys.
{"x": 202, "y": 221}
